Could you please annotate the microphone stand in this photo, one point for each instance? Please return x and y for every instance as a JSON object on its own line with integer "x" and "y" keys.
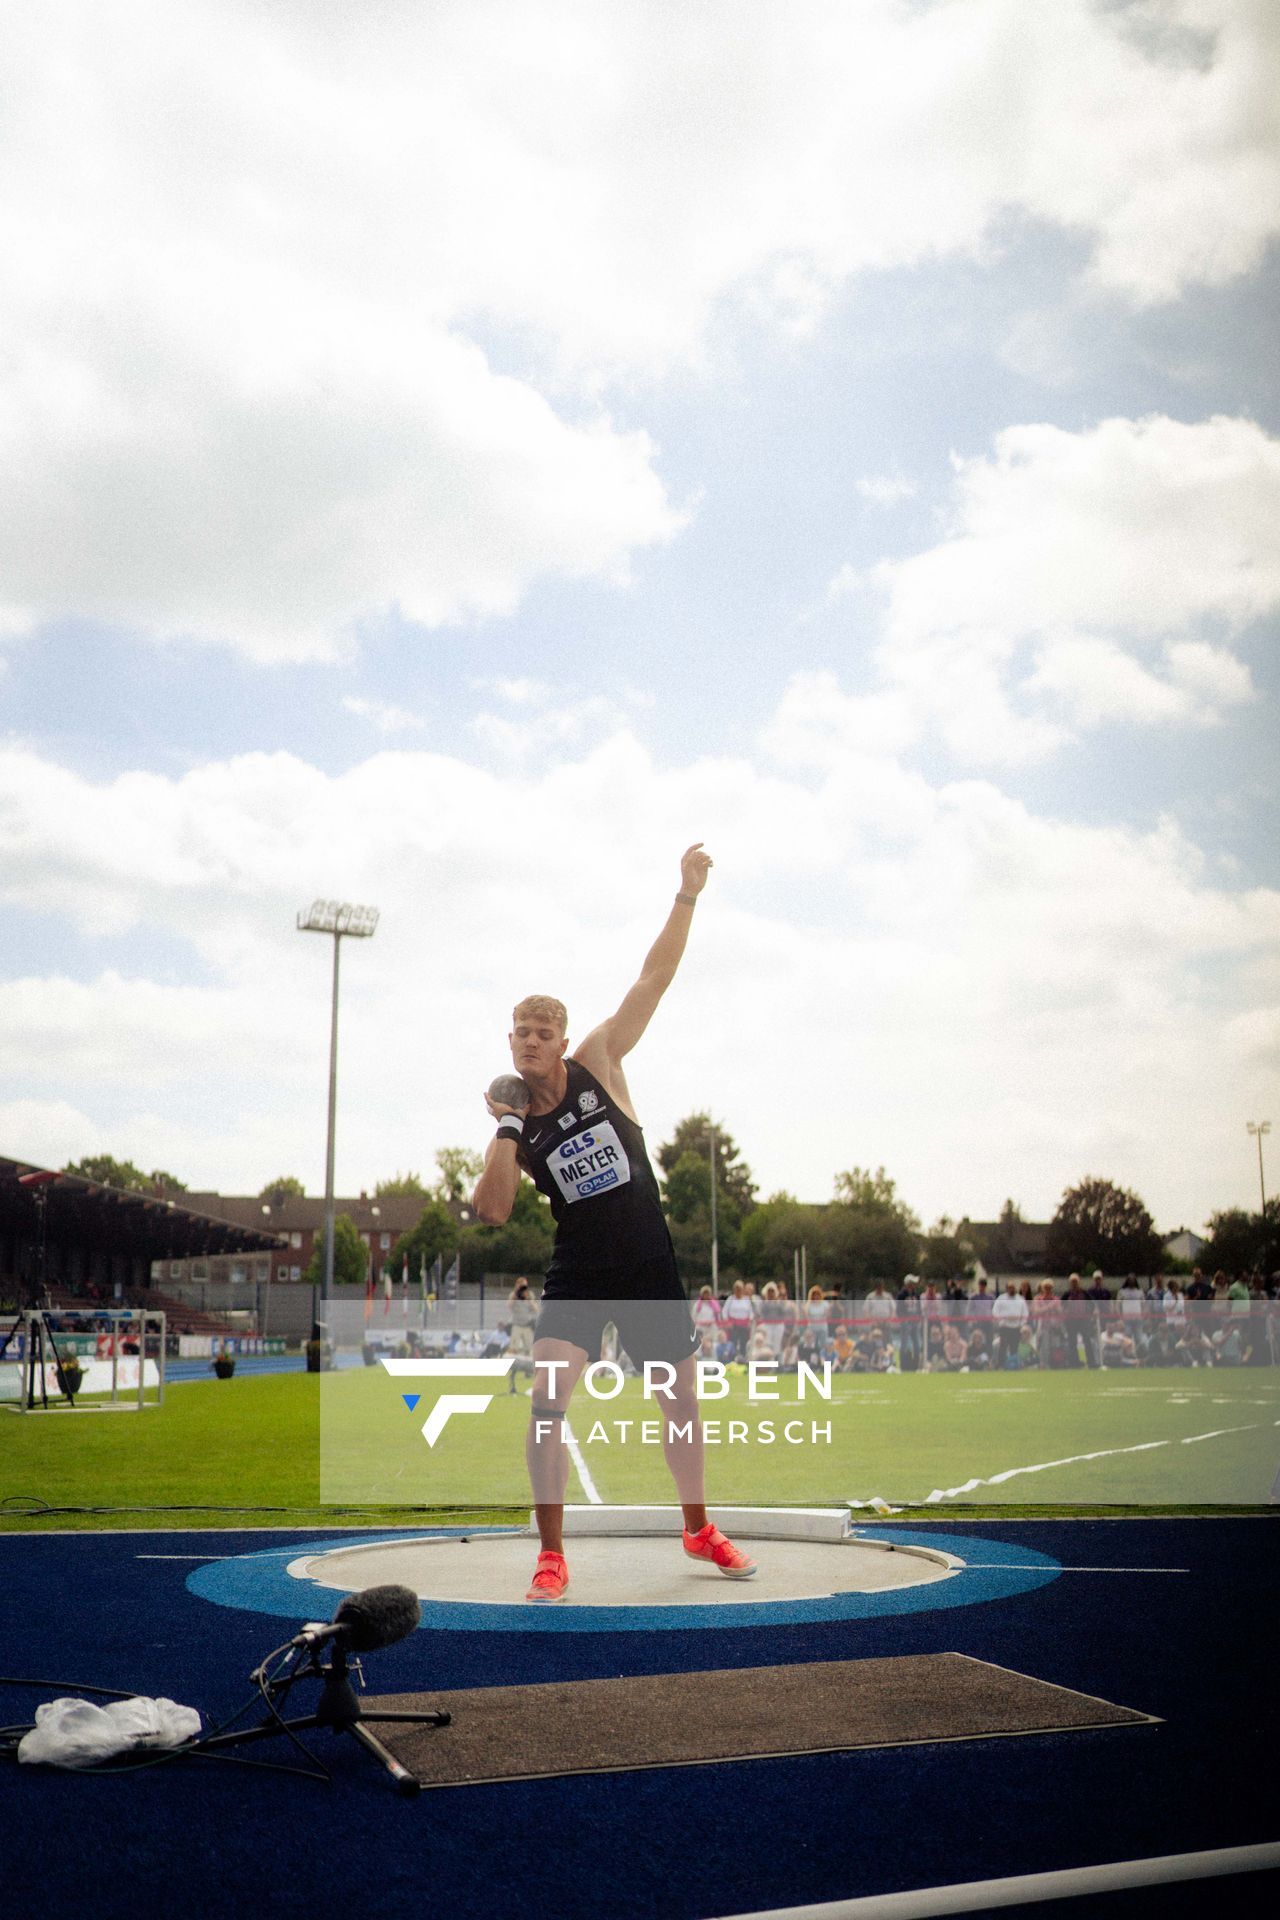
{"x": 338, "y": 1708}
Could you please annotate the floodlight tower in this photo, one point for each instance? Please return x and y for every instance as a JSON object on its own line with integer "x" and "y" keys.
{"x": 1258, "y": 1128}
{"x": 339, "y": 918}
{"x": 712, "y": 1145}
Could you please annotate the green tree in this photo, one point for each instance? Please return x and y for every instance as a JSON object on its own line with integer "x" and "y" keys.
{"x": 436, "y": 1232}
{"x": 521, "y": 1245}
{"x": 284, "y": 1186}
{"x": 458, "y": 1169}
{"x": 401, "y": 1186}
{"x": 350, "y": 1256}
{"x": 1099, "y": 1224}
{"x": 685, "y": 1163}
{"x": 772, "y": 1232}
{"x": 944, "y": 1254}
{"x": 735, "y": 1188}
{"x": 106, "y": 1171}
{"x": 1243, "y": 1242}
{"x": 874, "y": 1234}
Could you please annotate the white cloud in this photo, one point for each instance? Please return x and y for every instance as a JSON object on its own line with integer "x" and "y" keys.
{"x": 386, "y": 717}
{"x": 1109, "y": 554}
{"x": 245, "y": 255}
{"x": 885, "y": 489}
{"x": 882, "y": 969}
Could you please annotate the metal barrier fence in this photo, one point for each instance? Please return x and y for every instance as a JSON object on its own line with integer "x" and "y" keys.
{"x": 939, "y": 1336}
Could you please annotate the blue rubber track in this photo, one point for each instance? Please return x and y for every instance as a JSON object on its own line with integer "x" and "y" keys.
{"x": 1196, "y": 1649}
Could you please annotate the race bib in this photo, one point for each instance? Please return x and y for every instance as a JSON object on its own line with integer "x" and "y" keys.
{"x": 594, "y": 1161}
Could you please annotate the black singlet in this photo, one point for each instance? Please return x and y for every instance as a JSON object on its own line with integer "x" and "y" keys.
{"x": 589, "y": 1158}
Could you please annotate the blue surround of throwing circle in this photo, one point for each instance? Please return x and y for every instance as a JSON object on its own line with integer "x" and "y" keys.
{"x": 261, "y": 1583}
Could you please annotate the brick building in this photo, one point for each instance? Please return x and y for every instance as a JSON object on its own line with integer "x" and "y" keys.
{"x": 298, "y": 1219}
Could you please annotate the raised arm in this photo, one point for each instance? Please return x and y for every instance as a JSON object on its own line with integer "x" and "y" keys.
{"x": 613, "y": 1039}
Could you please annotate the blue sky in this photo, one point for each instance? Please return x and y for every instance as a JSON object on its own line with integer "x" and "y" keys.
{"x": 459, "y": 465}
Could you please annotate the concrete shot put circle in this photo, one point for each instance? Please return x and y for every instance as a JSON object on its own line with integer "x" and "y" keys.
{"x": 627, "y": 1570}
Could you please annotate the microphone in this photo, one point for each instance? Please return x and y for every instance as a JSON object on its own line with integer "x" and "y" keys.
{"x": 377, "y": 1617}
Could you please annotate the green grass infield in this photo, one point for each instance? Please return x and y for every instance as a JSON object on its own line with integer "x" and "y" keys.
{"x": 344, "y": 1449}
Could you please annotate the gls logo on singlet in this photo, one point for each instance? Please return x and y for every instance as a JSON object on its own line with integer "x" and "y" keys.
{"x": 590, "y": 1163}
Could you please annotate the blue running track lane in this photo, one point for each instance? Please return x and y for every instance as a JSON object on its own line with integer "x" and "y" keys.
{"x": 190, "y": 1614}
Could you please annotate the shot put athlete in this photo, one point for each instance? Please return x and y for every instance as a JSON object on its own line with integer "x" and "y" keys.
{"x": 579, "y": 1140}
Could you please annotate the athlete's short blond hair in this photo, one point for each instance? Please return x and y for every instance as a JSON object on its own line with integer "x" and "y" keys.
{"x": 541, "y": 1006}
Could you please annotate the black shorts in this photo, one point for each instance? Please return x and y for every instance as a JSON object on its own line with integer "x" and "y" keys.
{"x": 646, "y": 1302}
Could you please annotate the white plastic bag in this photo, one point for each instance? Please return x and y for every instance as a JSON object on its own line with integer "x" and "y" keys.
{"x": 75, "y": 1733}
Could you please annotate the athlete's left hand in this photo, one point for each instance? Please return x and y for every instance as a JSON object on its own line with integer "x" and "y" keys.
{"x": 694, "y": 867}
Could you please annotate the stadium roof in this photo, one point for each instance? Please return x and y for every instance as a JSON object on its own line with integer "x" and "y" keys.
{"x": 110, "y": 1220}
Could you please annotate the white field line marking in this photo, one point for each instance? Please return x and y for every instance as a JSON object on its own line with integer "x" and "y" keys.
{"x": 980, "y": 1896}
{"x": 575, "y": 1454}
{"x": 1003, "y": 1566}
{"x": 1075, "y": 1459}
{"x": 181, "y": 1556}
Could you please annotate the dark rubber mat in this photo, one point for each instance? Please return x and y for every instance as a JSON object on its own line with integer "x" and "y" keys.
{"x": 742, "y": 1713}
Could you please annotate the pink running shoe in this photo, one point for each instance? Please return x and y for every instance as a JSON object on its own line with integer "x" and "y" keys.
{"x": 550, "y": 1579}
{"x": 711, "y": 1545}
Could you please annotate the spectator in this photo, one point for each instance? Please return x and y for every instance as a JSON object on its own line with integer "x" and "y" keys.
{"x": 1130, "y": 1298}
{"x": 931, "y": 1312}
{"x": 1100, "y": 1294}
{"x": 815, "y": 1314}
{"x": 1193, "y": 1348}
{"x": 760, "y": 1346}
{"x": 1046, "y": 1323}
{"x": 981, "y": 1301}
{"x": 1009, "y": 1315}
{"x": 877, "y": 1351}
{"x": 523, "y": 1311}
{"x": 842, "y": 1350}
{"x": 1118, "y": 1349}
{"x": 737, "y": 1318}
{"x": 706, "y": 1312}
{"x": 879, "y": 1303}
{"x": 955, "y": 1349}
{"x": 979, "y": 1352}
{"x": 909, "y": 1326}
{"x": 773, "y": 1318}
{"x": 1228, "y": 1347}
{"x": 1200, "y": 1288}
{"x": 1077, "y": 1319}
{"x": 1160, "y": 1345}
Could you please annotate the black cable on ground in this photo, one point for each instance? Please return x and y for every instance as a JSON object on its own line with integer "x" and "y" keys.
{"x": 37, "y": 1509}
